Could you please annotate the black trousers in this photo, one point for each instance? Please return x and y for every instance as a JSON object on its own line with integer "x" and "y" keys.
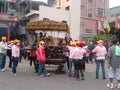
{"x": 84, "y": 59}
{"x": 67, "y": 60}
{"x": 79, "y": 67}
{"x": 32, "y": 59}
{"x": 15, "y": 64}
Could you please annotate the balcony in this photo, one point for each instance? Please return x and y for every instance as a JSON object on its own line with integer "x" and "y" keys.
{"x": 32, "y": 12}
{"x": 5, "y": 17}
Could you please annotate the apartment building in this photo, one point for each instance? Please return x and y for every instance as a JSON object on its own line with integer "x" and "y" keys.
{"x": 8, "y": 11}
{"x": 89, "y": 11}
{"x": 113, "y": 12}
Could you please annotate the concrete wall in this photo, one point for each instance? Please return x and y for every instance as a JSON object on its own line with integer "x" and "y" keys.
{"x": 54, "y": 14}
{"x": 72, "y": 17}
{"x": 75, "y": 19}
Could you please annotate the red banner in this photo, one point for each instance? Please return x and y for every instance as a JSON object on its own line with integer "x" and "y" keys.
{"x": 117, "y": 23}
{"x": 100, "y": 27}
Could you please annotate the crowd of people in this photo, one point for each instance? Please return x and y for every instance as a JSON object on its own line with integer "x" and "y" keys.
{"x": 77, "y": 54}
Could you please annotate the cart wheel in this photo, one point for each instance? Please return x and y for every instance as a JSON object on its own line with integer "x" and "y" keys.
{"x": 60, "y": 69}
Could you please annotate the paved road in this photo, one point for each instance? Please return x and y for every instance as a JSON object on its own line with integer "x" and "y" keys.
{"x": 28, "y": 80}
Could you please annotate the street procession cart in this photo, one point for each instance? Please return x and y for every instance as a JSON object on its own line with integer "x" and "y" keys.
{"x": 53, "y": 33}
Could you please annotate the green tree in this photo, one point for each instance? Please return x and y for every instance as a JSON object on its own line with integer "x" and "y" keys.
{"x": 104, "y": 37}
{"x": 114, "y": 31}
{"x": 113, "y": 34}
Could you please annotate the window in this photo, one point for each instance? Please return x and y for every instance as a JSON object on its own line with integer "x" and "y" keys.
{"x": 82, "y": 7}
{"x": 59, "y": 2}
{"x": 90, "y": 1}
{"x": 90, "y": 31}
{"x": 67, "y": 8}
{"x": 90, "y": 15}
{"x": 112, "y": 15}
{"x": 81, "y": 23}
{"x": 89, "y": 7}
{"x": 100, "y": 12}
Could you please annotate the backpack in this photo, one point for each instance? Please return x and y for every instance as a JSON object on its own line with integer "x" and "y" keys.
{"x": 117, "y": 50}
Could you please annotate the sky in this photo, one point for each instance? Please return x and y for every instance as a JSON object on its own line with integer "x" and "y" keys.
{"x": 114, "y": 3}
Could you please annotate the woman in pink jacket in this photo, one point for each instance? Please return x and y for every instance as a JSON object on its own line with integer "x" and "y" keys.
{"x": 41, "y": 59}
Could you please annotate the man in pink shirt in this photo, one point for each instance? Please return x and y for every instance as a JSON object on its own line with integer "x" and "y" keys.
{"x": 71, "y": 48}
{"x": 15, "y": 55}
{"x": 77, "y": 56}
{"x": 101, "y": 53}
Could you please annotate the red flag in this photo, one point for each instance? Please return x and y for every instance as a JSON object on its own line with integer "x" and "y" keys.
{"x": 100, "y": 27}
{"x": 106, "y": 26}
{"x": 117, "y": 23}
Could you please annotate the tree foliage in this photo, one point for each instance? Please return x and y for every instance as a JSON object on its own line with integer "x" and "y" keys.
{"x": 113, "y": 34}
{"x": 114, "y": 31}
{"x": 104, "y": 37}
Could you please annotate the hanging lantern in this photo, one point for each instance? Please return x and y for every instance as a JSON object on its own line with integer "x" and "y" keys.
{"x": 15, "y": 20}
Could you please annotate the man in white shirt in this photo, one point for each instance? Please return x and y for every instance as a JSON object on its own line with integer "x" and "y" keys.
{"x": 3, "y": 51}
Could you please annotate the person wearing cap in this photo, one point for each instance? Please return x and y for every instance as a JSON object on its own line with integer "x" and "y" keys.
{"x": 15, "y": 56}
{"x": 71, "y": 48}
{"x": 77, "y": 56}
{"x": 3, "y": 51}
{"x": 21, "y": 52}
{"x": 33, "y": 56}
{"x": 66, "y": 52}
{"x": 41, "y": 58}
{"x": 101, "y": 53}
{"x": 9, "y": 53}
{"x": 84, "y": 58}
{"x": 91, "y": 47}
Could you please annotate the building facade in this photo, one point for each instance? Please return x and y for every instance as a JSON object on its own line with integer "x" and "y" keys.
{"x": 90, "y": 11}
{"x": 74, "y": 8}
{"x": 8, "y": 11}
{"x": 113, "y": 12}
{"x": 83, "y": 16}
